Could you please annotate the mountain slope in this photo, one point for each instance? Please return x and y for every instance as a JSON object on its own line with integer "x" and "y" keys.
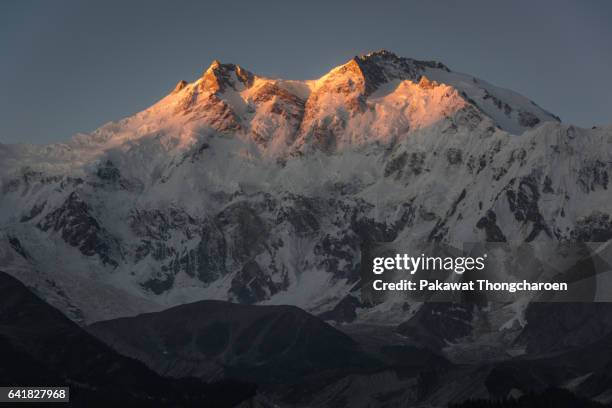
{"x": 294, "y": 358}
{"x": 214, "y": 340}
{"x": 40, "y": 346}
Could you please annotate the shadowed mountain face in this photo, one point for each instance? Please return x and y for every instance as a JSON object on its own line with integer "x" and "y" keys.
{"x": 559, "y": 327}
{"x": 297, "y": 359}
{"x": 294, "y": 357}
{"x": 214, "y": 339}
{"x": 584, "y": 369}
{"x": 40, "y": 346}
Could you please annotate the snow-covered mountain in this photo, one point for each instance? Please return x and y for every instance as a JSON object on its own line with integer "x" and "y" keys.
{"x": 263, "y": 191}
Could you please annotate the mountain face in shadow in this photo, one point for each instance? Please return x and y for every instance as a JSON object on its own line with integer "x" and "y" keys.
{"x": 557, "y": 327}
{"x": 585, "y": 370}
{"x": 295, "y": 358}
{"x": 40, "y": 346}
{"x": 215, "y": 339}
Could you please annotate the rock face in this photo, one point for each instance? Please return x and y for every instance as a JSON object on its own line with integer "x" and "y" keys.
{"x": 78, "y": 228}
{"x": 265, "y": 191}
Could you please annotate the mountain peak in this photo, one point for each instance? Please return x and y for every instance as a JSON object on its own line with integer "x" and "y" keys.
{"x": 214, "y": 64}
{"x": 379, "y": 67}
{"x": 219, "y": 77}
{"x": 382, "y": 66}
{"x": 179, "y": 86}
{"x": 372, "y": 96}
{"x": 425, "y": 83}
{"x": 384, "y": 56}
{"x": 380, "y": 54}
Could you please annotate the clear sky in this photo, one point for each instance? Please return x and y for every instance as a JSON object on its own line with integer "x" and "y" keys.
{"x": 71, "y": 66}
